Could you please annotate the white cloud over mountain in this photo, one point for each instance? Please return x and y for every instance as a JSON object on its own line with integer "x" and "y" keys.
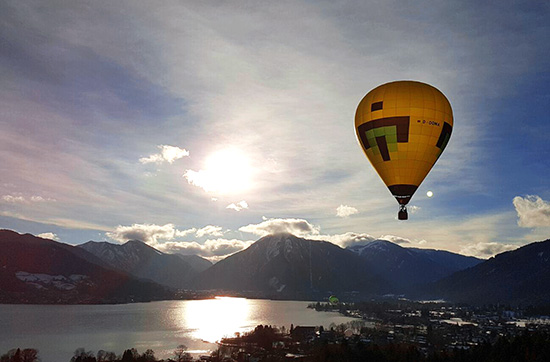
{"x": 148, "y": 233}
{"x": 164, "y": 238}
{"x": 532, "y": 211}
{"x": 298, "y": 227}
{"x": 346, "y": 239}
{"x": 212, "y": 249}
{"x": 209, "y": 230}
{"x": 485, "y": 250}
{"x": 48, "y": 235}
{"x": 395, "y": 239}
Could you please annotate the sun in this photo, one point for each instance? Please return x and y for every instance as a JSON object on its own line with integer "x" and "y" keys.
{"x": 227, "y": 171}
{"x": 231, "y": 170}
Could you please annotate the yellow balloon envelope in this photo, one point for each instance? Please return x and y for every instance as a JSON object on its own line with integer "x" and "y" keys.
{"x": 403, "y": 128}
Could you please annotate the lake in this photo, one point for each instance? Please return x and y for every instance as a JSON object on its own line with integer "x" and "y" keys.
{"x": 58, "y": 330}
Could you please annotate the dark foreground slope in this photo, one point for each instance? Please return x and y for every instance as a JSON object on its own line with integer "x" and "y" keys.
{"x": 283, "y": 264}
{"x": 521, "y": 276}
{"x": 36, "y": 270}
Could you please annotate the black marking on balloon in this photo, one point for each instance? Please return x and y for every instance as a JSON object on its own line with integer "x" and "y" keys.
{"x": 444, "y": 136}
{"x": 383, "y": 147}
{"x": 402, "y": 130}
{"x": 376, "y": 106}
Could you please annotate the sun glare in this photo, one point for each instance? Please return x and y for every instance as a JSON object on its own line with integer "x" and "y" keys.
{"x": 226, "y": 171}
{"x": 211, "y": 320}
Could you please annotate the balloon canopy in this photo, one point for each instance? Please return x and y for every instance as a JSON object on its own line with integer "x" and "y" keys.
{"x": 403, "y": 127}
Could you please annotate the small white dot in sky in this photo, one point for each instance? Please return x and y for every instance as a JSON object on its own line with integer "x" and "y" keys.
{"x": 429, "y": 194}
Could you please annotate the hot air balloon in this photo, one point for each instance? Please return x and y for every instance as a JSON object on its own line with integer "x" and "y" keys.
{"x": 403, "y": 127}
{"x": 333, "y": 300}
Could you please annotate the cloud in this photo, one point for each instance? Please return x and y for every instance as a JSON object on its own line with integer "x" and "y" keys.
{"x": 298, "y": 227}
{"x": 212, "y": 249}
{"x": 238, "y": 206}
{"x": 162, "y": 237}
{"x": 532, "y": 211}
{"x": 345, "y": 211}
{"x": 186, "y": 232}
{"x": 13, "y": 199}
{"x": 24, "y": 200}
{"x": 345, "y": 240}
{"x": 303, "y": 228}
{"x": 485, "y": 250}
{"x": 209, "y": 230}
{"x": 167, "y": 154}
{"x": 50, "y": 236}
{"x": 148, "y": 233}
{"x": 155, "y": 234}
{"x": 395, "y": 239}
{"x": 203, "y": 179}
{"x": 350, "y": 238}
{"x": 413, "y": 209}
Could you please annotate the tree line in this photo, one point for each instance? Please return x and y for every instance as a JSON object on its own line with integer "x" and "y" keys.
{"x": 530, "y": 346}
{"x": 180, "y": 354}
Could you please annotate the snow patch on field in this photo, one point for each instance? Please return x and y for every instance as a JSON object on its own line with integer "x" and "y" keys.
{"x": 41, "y": 281}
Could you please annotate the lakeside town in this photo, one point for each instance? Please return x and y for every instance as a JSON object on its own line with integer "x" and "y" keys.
{"x": 398, "y": 330}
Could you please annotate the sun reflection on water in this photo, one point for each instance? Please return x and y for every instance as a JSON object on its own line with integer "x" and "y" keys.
{"x": 212, "y": 319}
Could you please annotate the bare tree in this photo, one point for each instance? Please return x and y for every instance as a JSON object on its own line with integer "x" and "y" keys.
{"x": 181, "y": 355}
{"x": 29, "y": 355}
{"x": 148, "y": 356}
{"x": 100, "y": 356}
{"x": 80, "y": 355}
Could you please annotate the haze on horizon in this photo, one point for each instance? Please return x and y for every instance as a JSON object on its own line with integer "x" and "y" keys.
{"x": 199, "y": 127}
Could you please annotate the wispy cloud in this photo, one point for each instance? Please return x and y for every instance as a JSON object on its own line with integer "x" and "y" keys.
{"x": 13, "y": 199}
{"x": 24, "y": 199}
{"x": 167, "y": 154}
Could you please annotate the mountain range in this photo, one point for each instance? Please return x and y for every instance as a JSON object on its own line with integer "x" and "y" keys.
{"x": 143, "y": 261}
{"x": 37, "y": 270}
{"x": 519, "y": 277}
{"x": 284, "y": 264}
{"x": 280, "y": 266}
{"x": 407, "y": 268}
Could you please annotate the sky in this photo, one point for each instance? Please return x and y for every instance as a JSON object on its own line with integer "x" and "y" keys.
{"x": 201, "y": 126}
